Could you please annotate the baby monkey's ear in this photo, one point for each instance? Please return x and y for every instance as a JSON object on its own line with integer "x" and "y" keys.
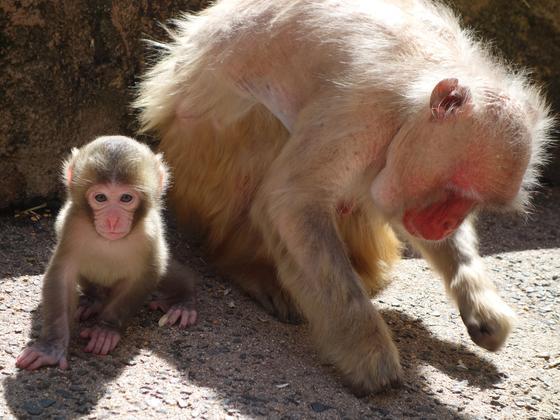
{"x": 68, "y": 167}
{"x": 164, "y": 174}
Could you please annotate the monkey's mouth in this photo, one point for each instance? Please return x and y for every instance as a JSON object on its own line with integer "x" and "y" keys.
{"x": 112, "y": 236}
{"x": 438, "y": 220}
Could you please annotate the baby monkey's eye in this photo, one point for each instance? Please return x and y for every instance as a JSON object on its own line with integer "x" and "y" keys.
{"x": 100, "y": 198}
{"x": 126, "y": 198}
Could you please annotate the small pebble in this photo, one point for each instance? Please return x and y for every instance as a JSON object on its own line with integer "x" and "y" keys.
{"x": 319, "y": 407}
{"x": 32, "y": 408}
{"x": 153, "y": 402}
{"x": 64, "y": 393}
{"x": 461, "y": 365}
{"x": 544, "y": 356}
{"x": 45, "y": 403}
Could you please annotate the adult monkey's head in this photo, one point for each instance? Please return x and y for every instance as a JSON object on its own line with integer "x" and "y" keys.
{"x": 466, "y": 148}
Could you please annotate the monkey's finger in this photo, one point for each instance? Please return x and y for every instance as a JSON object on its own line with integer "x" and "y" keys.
{"x": 22, "y": 355}
{"x": 92, "y": 334}
{"x": 102, "y": 336}
{"x": 107, "y": 345}
{"x": 184, "y": 319}
{"x": 89, "y": 311}
{"x": 26, "y": 358}
{"x": 155, "y": 305}
{"x": 174, "y": 315}
{"x": 114, "y": 341}
{"x": 63, "y": 364}
{"x": 193, "y": 317}
{"x": 85, "y": 333}
{"x": 188, "y": 318}
{"x": 42, "y": 360}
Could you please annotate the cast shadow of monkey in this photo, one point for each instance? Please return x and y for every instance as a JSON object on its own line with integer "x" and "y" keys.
{"x": 539, "y": 229}
{"x": 243, "y": 356}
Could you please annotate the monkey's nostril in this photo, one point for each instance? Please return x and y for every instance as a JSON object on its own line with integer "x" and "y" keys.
{"x": 112, "y": 223}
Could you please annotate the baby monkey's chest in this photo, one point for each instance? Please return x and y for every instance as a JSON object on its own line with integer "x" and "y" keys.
{"x": 105, "y": 262}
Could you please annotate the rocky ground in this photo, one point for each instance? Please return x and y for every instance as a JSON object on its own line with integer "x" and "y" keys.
{"x": 238, "y": 362}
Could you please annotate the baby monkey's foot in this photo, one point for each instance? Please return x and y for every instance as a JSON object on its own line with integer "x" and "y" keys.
{"x": 181, "y": 313}
{"x": 102, "y": 339}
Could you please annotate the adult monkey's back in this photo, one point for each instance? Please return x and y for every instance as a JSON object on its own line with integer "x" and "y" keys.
{"x": 300, "y": 131}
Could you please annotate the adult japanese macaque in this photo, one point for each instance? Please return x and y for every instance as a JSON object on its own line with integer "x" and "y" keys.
{"x": 304, "y": 133}
{"x": 110, "y": 242}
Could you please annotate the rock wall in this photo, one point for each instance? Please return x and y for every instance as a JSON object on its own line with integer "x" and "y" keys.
{"x": 68, "y": 67}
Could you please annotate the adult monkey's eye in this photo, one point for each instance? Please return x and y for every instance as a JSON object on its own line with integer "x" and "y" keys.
{"x": 126, "y": 198}
{"x": 100, "y": 198}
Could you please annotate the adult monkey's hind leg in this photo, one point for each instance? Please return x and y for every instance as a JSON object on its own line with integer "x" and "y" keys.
{"x": 215, "y": 181}
{"x": 372, "y": 245}
{"x": 295, "y": 209}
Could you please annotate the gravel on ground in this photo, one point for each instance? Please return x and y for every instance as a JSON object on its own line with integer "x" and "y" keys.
{"x": 239, "y": 362}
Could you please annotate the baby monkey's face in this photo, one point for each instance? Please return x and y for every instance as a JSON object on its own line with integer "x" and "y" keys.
{"x": 113, "y": 207}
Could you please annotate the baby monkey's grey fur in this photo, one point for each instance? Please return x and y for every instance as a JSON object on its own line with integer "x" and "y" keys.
{"x": 111, "y": 243}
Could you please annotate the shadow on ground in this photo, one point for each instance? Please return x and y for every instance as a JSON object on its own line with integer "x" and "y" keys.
{"x": 538, "y": 229}
{"x": 246, "y": 370}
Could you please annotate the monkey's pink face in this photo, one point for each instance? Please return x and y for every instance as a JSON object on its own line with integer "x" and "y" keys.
{"x": 438, "y": 220}
{"x": 113, "y": 208}
{"x": 444, "y": 164}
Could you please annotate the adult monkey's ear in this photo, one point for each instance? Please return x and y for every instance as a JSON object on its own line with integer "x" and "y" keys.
{"x": 448, "y": 98}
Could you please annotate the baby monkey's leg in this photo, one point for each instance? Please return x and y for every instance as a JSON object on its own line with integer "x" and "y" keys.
{"x": 176, "y": 296}
{"x": 91, "y": 300}
{"x": 123, "y": 300}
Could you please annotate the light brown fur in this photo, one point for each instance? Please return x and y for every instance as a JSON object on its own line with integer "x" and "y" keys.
{"x": 303, "y": 132}
{"x": 218, "y": 200}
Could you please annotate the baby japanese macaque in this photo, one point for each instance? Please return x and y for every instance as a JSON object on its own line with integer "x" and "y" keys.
{"x": 304, "y": 133}
{"x": 111, "y": 243}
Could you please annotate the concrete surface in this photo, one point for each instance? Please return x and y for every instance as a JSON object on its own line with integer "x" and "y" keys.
{"x": 238, "y": 362}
